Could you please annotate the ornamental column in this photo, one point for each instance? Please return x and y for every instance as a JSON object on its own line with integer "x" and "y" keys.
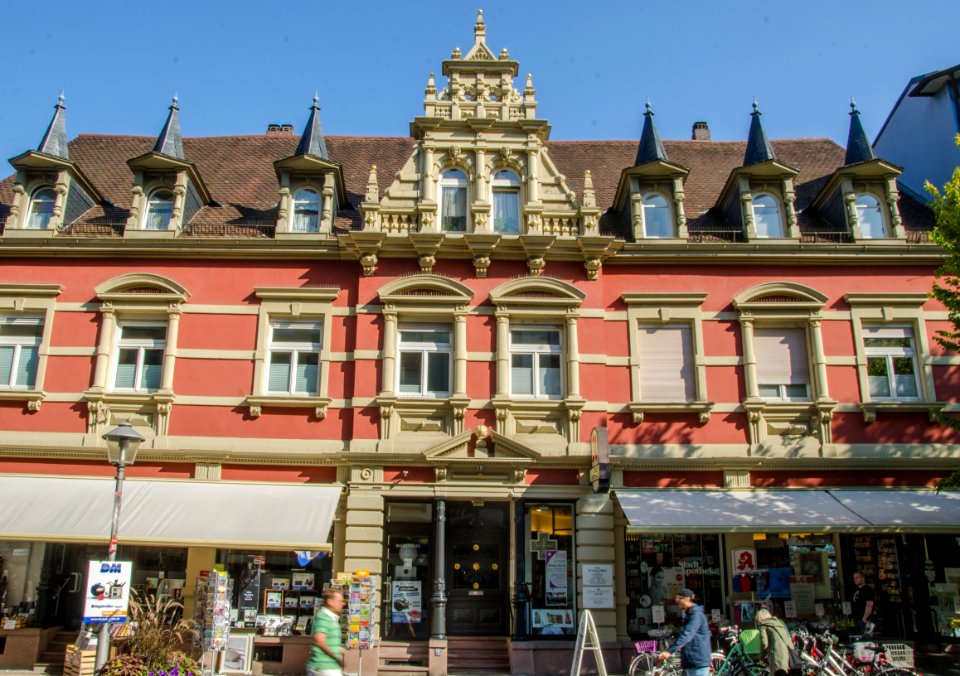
{"x": 108, "y": 329}
{"x": 460, "y": 354}
{"x": 520, "y": 597}
{"x": 438, "y": 628}
{"x": 170, "y": 351}
{"x": 573, "y": 359}
{"x": 389, "y": 352}
{"x": 749, "y": 359}
{"x": 819, "y": 359}
{"x": 503, "y": 354}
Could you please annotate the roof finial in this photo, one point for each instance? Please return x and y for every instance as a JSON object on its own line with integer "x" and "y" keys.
{"x": 60, "y": 99}
{"x": 756, "y": 107}
{"x": 853, "y": 106}
{"x": 758, "y": 147}
{"x": 858, "y": 146}
{"x": 316, "y": 99}
{"x": 480, "y": 28}
{"x": 312, "y": 141}
{"x": 651, "y": 147}
{"x": 648, "y": 107}
{"x": 176, "y": 100}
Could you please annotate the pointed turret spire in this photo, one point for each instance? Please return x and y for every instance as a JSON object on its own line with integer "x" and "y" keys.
{"x": 312, "y": 141}
{"x": 170, "y": 142}
{"x": 858, "y": 147}
{"x": 758, "y": 147}
{"x": 650, "y": 148}
{"x": 55, "y": 139}
{"x": 480, "y": 28}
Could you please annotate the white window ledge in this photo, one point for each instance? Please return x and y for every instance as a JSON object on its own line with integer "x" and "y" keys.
{"x": 701, "y": 408}
{"x": 258, "y": 403}
{"x": 33, "y": 397}
{"x": 871, "y": 408}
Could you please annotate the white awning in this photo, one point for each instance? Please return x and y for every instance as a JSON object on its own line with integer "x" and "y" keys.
{"x": 706, "y": 511}
{"x": 182, "y": 513}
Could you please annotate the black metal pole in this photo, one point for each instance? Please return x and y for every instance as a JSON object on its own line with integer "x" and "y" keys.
{"x": 439, "y": 599}
{"x": 520, "y": 597}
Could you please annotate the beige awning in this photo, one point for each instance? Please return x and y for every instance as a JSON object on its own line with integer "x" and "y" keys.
{"x": 163, "y": 512}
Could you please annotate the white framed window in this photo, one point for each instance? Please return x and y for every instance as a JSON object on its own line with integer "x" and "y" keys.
{"x": 766, "y": 215}
{"x": 293, "y": 358}
{"x": 159, "y": 211}
{"x": 506, "y": 202}
{"x": 536, "y": 357}
{"x": 891, "y": 363}
{"x": 138, "y": 365}
{"x": 657, "y": 216}
{"x": 424, "y": 355}
{"x": 306, "y": 211}
{"x": 870, "y": 216}
{"x": 666, "y": 363}
{"x": 41, "y": 208}
{"x": 453, "y": 201}
{"x": 783, "y": 371}
{"x": 20, "y": 339}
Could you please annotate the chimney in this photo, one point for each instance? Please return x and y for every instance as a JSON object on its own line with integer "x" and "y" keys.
{"x": 701, "y": 132}
{"x": 273, "y": 129}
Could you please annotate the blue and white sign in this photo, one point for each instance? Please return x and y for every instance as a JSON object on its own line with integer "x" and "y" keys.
{"x": 108, "y": 591}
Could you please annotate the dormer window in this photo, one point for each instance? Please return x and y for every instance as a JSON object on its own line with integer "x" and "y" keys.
{"x": 657, "y": 217}
{"x": 159, "y": 211}
{"x": 506, "y": 202}
{"x": 766, "y": 215}
{"x": 453, "y": 201}
{"x": 306, "y": 211}
{"x": 41, "y": 209}
{"x": 870, "y": 216}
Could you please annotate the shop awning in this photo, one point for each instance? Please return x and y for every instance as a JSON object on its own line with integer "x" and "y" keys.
{"x": 702, "y": 511}
{"x": 182, "y": 513}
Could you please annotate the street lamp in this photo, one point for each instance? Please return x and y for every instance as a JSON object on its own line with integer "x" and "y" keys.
{"x": 122, "y": 444}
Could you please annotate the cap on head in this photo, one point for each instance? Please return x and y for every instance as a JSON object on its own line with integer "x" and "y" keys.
{"x": 686, "y": 593}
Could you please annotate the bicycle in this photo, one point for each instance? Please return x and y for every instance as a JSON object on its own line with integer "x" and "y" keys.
{"x": 831, "y": 662}
{"x": 736, "y": 662}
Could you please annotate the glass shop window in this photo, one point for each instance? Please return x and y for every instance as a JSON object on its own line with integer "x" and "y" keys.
{"x": 551, "y": 570}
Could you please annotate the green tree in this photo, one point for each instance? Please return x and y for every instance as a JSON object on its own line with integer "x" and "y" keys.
{"x": 946, "y": 287}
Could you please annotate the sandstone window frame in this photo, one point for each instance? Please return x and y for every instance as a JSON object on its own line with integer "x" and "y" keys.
{"x": 771, "y": 203}
{"x": 153, "y": 211}
{"x": 667, "y": 309}
{"x": 31, "y": 300}
{"x": 878, "y": 204}
{"x": 893, "y": 309}
{"x": 306, "y": 211}
{"x": 34, "y": 217}
{"x": 292, "y": 304}
{"x": 453, "y": 178}
{"x": 143, "y": 348}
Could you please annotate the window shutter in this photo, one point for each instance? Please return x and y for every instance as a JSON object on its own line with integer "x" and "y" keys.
{"x": 6, "y": 364}
{"x": 887, "y": 332}
{"x": 781, "y": 356}
{"x": 521, "y": 374}
{"x": 278, "y": 379}
{"x": 307, "y": 373}
{"x": 666, "y": 364}
{"x": 26, "y": 367}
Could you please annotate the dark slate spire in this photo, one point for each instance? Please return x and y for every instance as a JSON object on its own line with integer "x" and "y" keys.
{"x": 858, "y": 147}
{"x": 312, "y": 141}
{"x": 650, "y": 148}
{"x": 758, "y": 147}
{"x": 55, "y": 140}
{"x": 169, "y": 142}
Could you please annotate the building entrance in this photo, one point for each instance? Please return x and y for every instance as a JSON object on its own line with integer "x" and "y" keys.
{"x": 477, "y": 573}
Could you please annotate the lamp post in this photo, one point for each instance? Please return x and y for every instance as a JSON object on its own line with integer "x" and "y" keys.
{"x": 122, "y": 444}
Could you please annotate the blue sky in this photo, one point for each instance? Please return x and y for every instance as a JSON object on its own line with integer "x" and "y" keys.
{"x": 240, "y": 65}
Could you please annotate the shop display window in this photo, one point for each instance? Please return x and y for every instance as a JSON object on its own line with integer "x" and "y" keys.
{"x": 551, "y": 569}
{"x": 19, "y": 573}
{"x": 941, "y": 568}
{"x": 408, "y": 570}
{"x": 658, "y": 566}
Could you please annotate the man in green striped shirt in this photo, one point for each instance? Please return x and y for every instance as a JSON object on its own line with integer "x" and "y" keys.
{"x": 326, "y": 654}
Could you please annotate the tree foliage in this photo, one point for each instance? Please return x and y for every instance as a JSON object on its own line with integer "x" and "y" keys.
{"x": 946, "y": 288}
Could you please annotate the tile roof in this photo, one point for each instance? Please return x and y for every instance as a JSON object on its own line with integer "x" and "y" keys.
{"x": 239, "y": 172}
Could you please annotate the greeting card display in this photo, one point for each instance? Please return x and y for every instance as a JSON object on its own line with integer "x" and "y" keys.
{"x": 214, "y": 591}
{"x": 360, "y": 592}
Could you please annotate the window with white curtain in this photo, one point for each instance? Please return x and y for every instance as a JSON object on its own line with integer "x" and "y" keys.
{"x": 766, "y": 215}
{"x": 19, "y": 351}
{"x": 657, "y": 219}
{"x": 506, "y": 202}
{"x": 159, "y": 211}
{"x": 424, "y": 359}
{"x": 138, "y": 365}
{"x": 666, "y": 363}
{"x": 870, "y": 216}
{"x": 41, "y": 208}
{"x": 293, "y": 357}
{"x": 306, "y": 211}
{"x": 453, "y": 201}
{"x": 536, "y": 362}
{"x": 783, "y": 372}
{"x": 891, "y": 363}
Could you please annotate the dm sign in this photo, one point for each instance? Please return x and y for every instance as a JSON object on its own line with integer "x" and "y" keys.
{"x": 600, "y": 460}
{"x": 108, "y": 591}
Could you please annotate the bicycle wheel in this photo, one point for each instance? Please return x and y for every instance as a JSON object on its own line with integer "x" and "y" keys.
{"x": 898, "y": 671}
{"x": 716, "y": 661}
{"x": 642, "y": 664}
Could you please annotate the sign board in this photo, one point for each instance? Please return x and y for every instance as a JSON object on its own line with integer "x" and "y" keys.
{"x": 657, "y": 614}
{"x": 108, "y": 591}
{"x": 599, "y": 460}
{"x": 407, "y": 605}
{"x": 587, "y": 632}
{"x": 598, "y": 597}
{"x": 598, "y": 574}
{"x": 789, "y": 609}
{"x": 716, "y": 615}
{"x": 847, "y": 608}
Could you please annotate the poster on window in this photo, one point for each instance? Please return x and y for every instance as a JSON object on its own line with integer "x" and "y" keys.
{"x": 407, "y": 606}
{"x": 108, "y": 591}
{"x": 555, "y": 593}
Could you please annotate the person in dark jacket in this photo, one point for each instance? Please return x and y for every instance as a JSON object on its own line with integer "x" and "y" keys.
{"x": 694, "y": 641}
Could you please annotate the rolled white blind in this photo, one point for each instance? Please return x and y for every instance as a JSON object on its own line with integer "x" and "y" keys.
{"x": 781, "y": 356}
{"x": 666, "y": 363}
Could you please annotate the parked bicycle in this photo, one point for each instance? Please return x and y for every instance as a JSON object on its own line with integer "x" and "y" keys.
{"x": 823, "y": 656}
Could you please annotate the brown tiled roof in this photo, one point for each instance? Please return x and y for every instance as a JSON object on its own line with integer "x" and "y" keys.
{"x": 239, "y": 173}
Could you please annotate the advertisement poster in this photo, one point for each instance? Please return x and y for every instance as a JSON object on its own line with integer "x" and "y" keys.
{"x": 556, "y": 579}
{"x": 549, "y": 617}
{"x": 108, "y": 591}
{"x": 407, "y": 607}
{"x": 780, "y": 583}
{"x": 598, "y": 597}
{"x": 804, "y": 594}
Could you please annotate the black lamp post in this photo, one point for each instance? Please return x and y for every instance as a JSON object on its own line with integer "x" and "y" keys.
{"x": 122, "y": 444}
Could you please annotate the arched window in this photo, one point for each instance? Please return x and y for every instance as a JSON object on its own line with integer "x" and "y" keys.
{"x": 306, "y": 211}
{"x": 657, "y": 220}
{"x": 506, "y": 202}
{"x": 41, "y": 208}
{"x": 766, "y": 216}
{"x": 453, "y": 201}
{"x": 159, "y": 211}
{"x": 870, "y": 216}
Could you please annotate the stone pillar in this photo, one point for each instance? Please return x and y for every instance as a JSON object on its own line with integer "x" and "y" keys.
{"x": 749, "y": 359}
{"x": 595, "y": 545}
{"x": 198, "y": 558}
{"x": 363, "y": 546}
{"x": 533, "y": 181}
{"x": 170, "y": 351}
{"x": 108, "y": 328}
{"x": 326, "y": 204}
{"x": 389, "y": 352}
{"x": 438, "y": 626}
{"x": 429, "y": 185}
{"x": 460, "y": 354}
{"x": 819, "y": 359}
{"x": 520, "y": 597}
{"x": 503, "y": 354}
{"x": 573, "y": 359}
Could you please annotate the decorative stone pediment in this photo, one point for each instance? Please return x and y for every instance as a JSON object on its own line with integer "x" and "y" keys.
{"x": 773, "y": 296}
{"x": 425, "y": 290}
{"x": 537, "y": 291}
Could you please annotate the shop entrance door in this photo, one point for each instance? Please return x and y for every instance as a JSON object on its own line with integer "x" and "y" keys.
{"x": 478, "y": 544}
